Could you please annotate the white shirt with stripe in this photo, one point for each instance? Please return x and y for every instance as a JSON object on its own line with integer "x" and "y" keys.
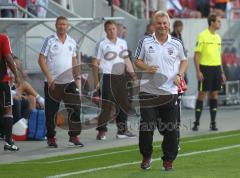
{"x": 167, "y": 57}
{"x": 59, "y": 57}
{"x": 110, "y": 54}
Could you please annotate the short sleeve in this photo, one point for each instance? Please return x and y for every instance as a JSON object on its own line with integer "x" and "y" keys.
{"x": 139, "y": 53}
{"x": 182, "y": 53}
{"x": 199, "y": 44}
{"x": 74, "y": 54}
{"x": 6, "y": 46}
{"x": 98, "y": 51}
{"x": 45, "y": 47}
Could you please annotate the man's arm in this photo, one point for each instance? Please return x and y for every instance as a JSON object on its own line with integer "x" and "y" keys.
{"x": 144, "y": 67}
{"x": 12, "y": 67}
{"x": 95, "y": 69}
{"x": 76, "y": 71}
{"x": 196, "y": 58}
{"x": 44, "y": 68}
{"x": 130, "y": 69}
{"x": 182, "y": 70}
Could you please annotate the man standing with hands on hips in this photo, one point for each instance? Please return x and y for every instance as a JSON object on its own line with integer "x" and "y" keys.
{"x": 160, "y": 55}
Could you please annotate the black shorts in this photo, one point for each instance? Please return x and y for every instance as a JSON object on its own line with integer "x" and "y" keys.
{"x": 5, "y": 95}
{"x": 212, "y": 78}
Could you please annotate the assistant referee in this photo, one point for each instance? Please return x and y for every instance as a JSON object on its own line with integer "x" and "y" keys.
{"x": 210, "y": 74}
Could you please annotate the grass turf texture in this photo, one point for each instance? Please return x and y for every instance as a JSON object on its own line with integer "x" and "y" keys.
{"x": 223, "y": 163}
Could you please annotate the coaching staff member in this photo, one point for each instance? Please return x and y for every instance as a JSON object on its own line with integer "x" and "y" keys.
{"x": 58, "y": 55}
{"x": 210, "y": 74}
{"x": 160, "y": 54}
{"x": 113, "y": 88}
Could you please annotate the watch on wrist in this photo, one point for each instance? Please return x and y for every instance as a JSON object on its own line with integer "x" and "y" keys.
{"x": 179, "y": 75}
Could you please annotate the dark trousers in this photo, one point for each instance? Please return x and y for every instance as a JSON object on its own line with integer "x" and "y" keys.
{"x": 164, "y": 117}
{"x": 115, "y": 102}
{"x": 71, "y": 99}
{"x": 179, "y": 115}
{"x": 21, "y": 109}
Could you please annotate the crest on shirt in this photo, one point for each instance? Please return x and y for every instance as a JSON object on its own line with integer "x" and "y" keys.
{"x": 170, "y": 51}
{"x": 121, "y": 47}
{"x": 150, "y": 49}
{"x": 55, "y": 47}
{"x": 70, "y": 48}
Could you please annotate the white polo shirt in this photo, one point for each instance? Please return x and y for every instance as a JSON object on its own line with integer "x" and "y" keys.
{"x": 109, "y": 54}
{"x": 167, "y": 57}
{"x": 59, "y": 57}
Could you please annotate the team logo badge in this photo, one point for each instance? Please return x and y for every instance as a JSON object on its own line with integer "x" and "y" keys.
{"x": 150, "y": 49}
{"x": 70, "y": 48}
{"x": 170, "y": 51}
{"x": 55, "y": 47}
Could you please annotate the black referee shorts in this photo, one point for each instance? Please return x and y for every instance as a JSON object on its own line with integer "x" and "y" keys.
{"x": 5, "y": 95}
{"x": 212, "y": 78}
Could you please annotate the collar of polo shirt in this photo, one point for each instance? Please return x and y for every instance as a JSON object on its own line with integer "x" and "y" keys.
{"x": 107, "y": 39}
{"x": 56, "y": 36}
{"x": 155, "y": 38}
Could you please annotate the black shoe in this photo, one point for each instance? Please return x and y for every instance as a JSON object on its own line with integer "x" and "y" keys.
{"x": 195, "y": 126}
{"x": 10, "y": 147}
{"x": 213, "y": 127}
{"x": 52, "y": 142}
{"x": 146, "y": 163}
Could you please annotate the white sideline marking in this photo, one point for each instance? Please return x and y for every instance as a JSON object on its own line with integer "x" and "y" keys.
{"x": 211, "y": 138}
{"x": 138, "y": 162}
{"x": 129, "y": 150}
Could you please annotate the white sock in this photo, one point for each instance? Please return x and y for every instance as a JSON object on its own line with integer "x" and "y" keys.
{"x": 40, "y": 99}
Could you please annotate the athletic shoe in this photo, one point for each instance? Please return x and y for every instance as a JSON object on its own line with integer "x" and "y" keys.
{"x": 213, "y": 127}
{"x": 167, "y": 165}
{"x": 195, "y": 127}
{"x": 146, "y": 163}
{"x": 179, "y": 148}
{"x": 101, "y": 135}
{"x": 75, "y": 141}
{"x": 10, "y": 147}
{"x": 126, "y": 134}
{"x": 52, "y": 142}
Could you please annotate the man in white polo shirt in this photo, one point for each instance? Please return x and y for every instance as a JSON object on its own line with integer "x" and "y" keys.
{"x": 57, "y": 56}
{"x": 111, "y": 59}
{"x": 163, "y": 63}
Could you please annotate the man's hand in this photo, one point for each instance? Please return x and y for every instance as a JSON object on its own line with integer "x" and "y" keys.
{"x": 223, "y": 78}
{"x": 200, "y": 76}
{"x": 97, "y": 86}
{"x": 152, "y": 69}
{"x": 177, "y": 80}
{"x": 51, "y": 84}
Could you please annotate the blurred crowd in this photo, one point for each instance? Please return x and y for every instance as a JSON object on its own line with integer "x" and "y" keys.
{"x": 9, "y": 8}
{"x": 179, "y": 8}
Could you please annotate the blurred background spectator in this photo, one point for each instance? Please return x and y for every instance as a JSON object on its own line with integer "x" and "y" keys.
{"x": 176, "y": 9}
{"x": 155, "y": 5}
{"x": 203, "y": 6}
{"x": 233, "y": 10}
